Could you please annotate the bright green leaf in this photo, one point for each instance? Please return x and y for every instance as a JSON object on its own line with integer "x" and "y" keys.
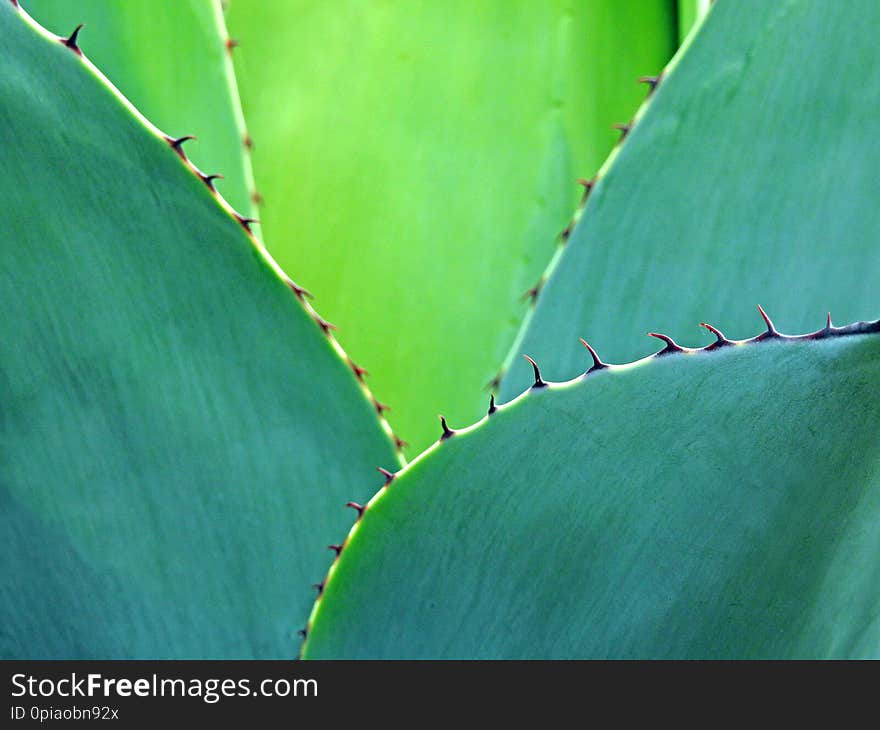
{"x": 418, "y": 159}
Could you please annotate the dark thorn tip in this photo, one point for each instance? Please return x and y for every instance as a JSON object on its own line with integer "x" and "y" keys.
{"x": 304, "y": 633}
{"x": 358, "y": 507}
{"x": 671, "y": 345}
{"x": 335, "y": 548}
{"x": 400, "y": 444}
{"x": 447, "y": 432}
{"x": 720, "y": 339}
{"x": 597, "y": 362}
{"x": 539, "y": 382}
{"x": 624, "y": 129}
{"x": 318, "y": 587}
{"x": 771, "y": 328}
{"x": 492, "y": 406}
{"x": 652, "y": 81}
{"x": 380, "y": 407}
{"x": 70, "y": 41}
{"x": 389, "y": 475}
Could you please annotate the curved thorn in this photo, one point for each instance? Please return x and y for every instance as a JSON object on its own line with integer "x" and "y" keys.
{"x": 447, "y": 432}
{"x": 299, "y": 290}
{"x": 720, "y": 339}
{"x": 597, "y": 362}
{"x": 70, "y": 41}
{"x": 359, "y": 372}
{"x": 539, "y": 383}
{"x": 624, "y": 129}
{"x": 652, "y": 81}
{"x": 671, "y": 345}
{"x": 335, "y": 548}
{"x": 771, "y": 329}
{"x": 492, "y": 406}
{"x": 389, "y": 476}
{"x": 380, "y": 407}
{"x": 358, "y": 507}
{"x": 319, "y": 587}
{"x": 209, "y": 180}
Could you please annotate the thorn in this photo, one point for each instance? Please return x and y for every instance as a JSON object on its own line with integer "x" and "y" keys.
{"x": 177, "y": 143}
{"x": 771, "y": 329}
{"x": 247, "y": 142}
{"x": 359, "y": 372}
{"x": 828, "y": 325}
{"x": 400, "y": 444}
{"x": 355, "y": 506}
{"x": 380, "y": 407}
{"x": 597, "y": 363}
{"x": 319, "y": 587}
{"x": 325, "y": 325}
{"x": 623, "y": 129}
{"x": 720, "y": 339}
{"x": 209, "y": 180}
{"x": 447, "y": 432}
{"x": 247, "y": 222}
{"x": 531, "y": 295}
{"x": 588, "y": 188}
{"x": 652, "y": 81}
{"x": 231, "y": 43}
{"x": 70, "y": 41}
{"x": 256, "y": 198}
{"x": 492, "y": 407}
{"x": 303, "y": 632}
{"x": 299, "y": 290}
{"x": 539, "y": 383}
{"x": 14, "y": 3}
{"x": 493, "y": 384}
{"x": 566, "y": 232}
{"x": 335, "y": 548}
{"x": 389, "y": 476}
{"x": 671, "y": 345}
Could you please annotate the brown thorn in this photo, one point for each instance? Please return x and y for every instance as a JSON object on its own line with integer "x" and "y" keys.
{"x": 380, "y": 407}
{"x": 566, "y": 232}
{"x": 335, "y": 548}
{"x": 623, "y": 129}
{"x": 652, "y": 81}
{"x": 720, "y": 339}
{"x": 209, "y": 180}
{"x": 247, "y": 142}
{"x": 355, "y": 506}
{"x": 176, "y": 143}
{"x": 492, "y": 406}
{"x": 299, "y": 290}
{"x": 671, "y": 345}
{"x": 400, "y": 444}
{"x": 539, "y": 383}
{"x": 771, "y": 328}
{"x": 389, "y": 476}
{"x": 70, "y": 41}
{"x": 324, "y": 324}
{"x": 256, "y": 198}
{"x": 447, "y": 432}
{"x": 588, "y": 187}
{"x": 597, "y": 362}
{"x": 230, "y": 44}
{"x": 359, "y": 372}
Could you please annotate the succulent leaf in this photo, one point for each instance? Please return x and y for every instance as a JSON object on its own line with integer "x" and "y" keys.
{"x": 750, "y": 175}
{"x": 171, "y": 412}
{"x": 712, "y": 503}
{"x": 138, "y": 45}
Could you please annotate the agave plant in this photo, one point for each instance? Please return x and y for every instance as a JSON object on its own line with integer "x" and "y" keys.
{"x": 181, "y": 427}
